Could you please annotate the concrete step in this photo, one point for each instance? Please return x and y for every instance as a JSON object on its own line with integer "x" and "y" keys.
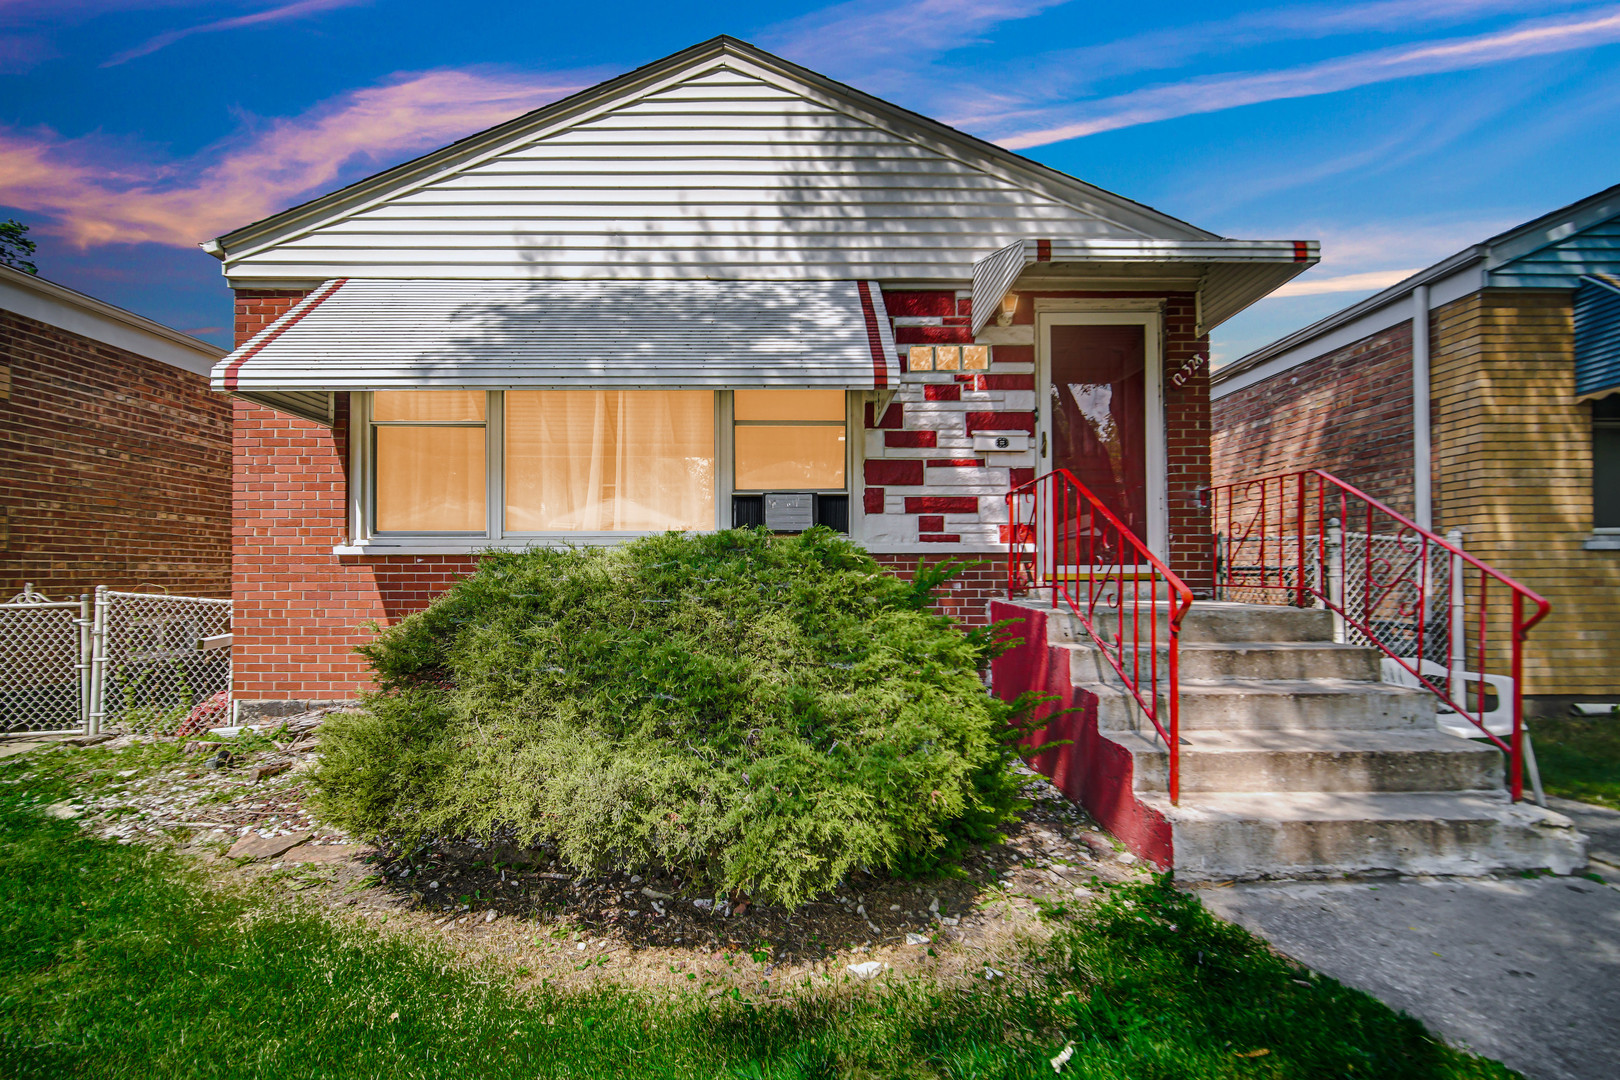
{"x": 1275, "y": 705}
{"x": 1323, "y": 761}
{"x": 1246, "y": 660}
{"x": 1207, "y": 621}
{"x": 1312, "y": 834}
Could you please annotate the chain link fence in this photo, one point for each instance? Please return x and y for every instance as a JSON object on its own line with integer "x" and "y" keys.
{"x": 135, "y": 662}
{"x": 156, "y": 658}
{"x": 44, "y": 664}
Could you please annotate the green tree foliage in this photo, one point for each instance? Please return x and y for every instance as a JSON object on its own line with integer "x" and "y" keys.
{"x": 757, "y": 713}
{"x": 15, "y": 247}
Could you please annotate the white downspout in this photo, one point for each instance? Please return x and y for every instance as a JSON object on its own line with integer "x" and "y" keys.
{"x": 1422, "y": 455}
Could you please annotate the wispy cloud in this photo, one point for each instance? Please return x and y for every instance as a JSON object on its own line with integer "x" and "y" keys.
{"x": 847, "y": 39}
{"x": 1217, "y": 93}
{"x": 295, "y": 10}
{"x": 1372, "y": 280}
{"x": 1068, "y": 73}
{"x": 98, "y": 194}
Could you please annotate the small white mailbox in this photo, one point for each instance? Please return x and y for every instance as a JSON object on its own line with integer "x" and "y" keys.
{"x": 1001, "y": 442}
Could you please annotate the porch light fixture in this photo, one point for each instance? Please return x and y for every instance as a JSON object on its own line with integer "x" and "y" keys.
{"x": 1009, "y": 308}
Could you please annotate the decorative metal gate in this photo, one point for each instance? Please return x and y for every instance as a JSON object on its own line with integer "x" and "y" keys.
{"x": 135, "y": 662}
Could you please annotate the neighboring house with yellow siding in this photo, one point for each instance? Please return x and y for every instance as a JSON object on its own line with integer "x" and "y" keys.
{"x": 1496, "y": 412}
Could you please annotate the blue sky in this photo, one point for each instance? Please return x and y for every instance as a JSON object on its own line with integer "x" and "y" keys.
{"x": 1395, "y": 131}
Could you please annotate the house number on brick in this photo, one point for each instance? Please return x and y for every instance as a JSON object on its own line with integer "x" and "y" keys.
{"x": 1189, "y": 367}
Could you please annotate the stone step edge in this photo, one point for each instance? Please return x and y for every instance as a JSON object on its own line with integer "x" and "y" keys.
{"x": 1217, "y": 742}
{"x": 1372, "y": 807}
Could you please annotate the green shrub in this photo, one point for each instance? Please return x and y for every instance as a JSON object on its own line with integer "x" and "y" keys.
{"x": 756, "y": 713}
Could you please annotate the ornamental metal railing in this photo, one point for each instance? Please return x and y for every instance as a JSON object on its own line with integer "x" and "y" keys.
{"x": 129, "y": 662}
{"x": 1445, "y": 621}
{"x": 1063, "y": 539}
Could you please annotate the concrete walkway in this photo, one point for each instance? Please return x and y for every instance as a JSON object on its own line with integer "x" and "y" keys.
{"x": 12, "y": 745}
{"x": 1602, "y": 828}
{"x": 1524, "y": 970}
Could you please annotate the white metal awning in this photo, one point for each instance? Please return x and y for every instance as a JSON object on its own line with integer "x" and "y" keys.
{"x": 1228, "y": 275}
{"x": 370, "y": 334}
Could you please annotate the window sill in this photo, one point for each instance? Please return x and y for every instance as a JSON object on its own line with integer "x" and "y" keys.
{"x": 1603, "y": 541}
{"x": 475, "y": 546}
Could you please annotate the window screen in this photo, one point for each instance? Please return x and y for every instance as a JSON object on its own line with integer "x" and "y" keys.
{"x": 428, "y": 446}
{"x": 789, "y": 440}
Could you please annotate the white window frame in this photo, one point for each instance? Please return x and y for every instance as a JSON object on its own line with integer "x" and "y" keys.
{"x": 364, "y": 540}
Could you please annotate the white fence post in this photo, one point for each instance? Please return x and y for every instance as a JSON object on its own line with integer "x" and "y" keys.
{"x": 1335, "y": 576}
{"x": 98, "y": 662}
{"x": 86, "y": 658}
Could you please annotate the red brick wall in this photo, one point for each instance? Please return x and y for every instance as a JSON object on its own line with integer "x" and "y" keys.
{"x": 1349, "y": 412}
{"x": 966, "y": 597}
{"x": 258, "y": 308}
{"x": 116, "y": 469}
{"x": 1187, "y": 449}
{"x": 300, "y": 610}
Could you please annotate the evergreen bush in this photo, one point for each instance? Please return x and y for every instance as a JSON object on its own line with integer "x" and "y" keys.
{"x": 759, "y": 714}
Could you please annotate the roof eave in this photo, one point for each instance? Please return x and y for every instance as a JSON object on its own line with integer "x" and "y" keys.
{"x": 62, "y": 294}
{"x": 1394, "y": 293}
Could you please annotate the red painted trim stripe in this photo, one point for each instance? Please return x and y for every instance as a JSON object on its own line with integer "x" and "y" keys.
{"x": 1043, "y": 251}
{"x": 1302, "y": 250}
{"x": 954, "y": 463}
{"x": 874, "y": 338}
{"x": 310, "y": 303}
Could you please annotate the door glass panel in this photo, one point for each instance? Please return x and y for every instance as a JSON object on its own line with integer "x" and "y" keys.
{"x": 1098, "y": 388}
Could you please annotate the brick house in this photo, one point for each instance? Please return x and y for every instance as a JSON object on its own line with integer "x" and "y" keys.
{"x": 116, "y": 455}
{"x": 718, "y": 290}
{"x": 1480, "y": 394}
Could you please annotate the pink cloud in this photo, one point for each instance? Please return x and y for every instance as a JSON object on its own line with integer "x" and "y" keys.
{"x": 95, "y": 194}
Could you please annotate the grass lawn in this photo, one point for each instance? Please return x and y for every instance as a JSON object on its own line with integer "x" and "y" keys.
{"x": 1580, "y": 759}
{"x": 124, "y": 961}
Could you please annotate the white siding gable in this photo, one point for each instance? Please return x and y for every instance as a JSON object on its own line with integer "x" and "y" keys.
{"x": 727, "y": 172}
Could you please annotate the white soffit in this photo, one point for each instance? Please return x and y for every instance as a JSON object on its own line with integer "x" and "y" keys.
{"x": 1230, "y": 274}
{"x": 67, "y": 309}
{"x": 369, "y": 334}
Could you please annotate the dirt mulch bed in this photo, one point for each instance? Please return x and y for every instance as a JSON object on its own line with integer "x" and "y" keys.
{"x": 571, "y": 931}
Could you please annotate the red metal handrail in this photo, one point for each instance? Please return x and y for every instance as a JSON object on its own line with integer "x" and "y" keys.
{"x": 1062, "y": 536}
{"x": 1295, "y": 536}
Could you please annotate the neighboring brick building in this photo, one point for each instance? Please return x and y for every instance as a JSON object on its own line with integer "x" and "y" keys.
{"x": 790, "y": 319}
{"x": 1522, "y": 428}
{"x": 116, "y": 456}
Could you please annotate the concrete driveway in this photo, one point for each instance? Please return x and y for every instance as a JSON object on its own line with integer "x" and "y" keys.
{"x": 1524, "y": 970}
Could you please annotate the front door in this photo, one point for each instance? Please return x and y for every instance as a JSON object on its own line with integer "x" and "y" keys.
{"x": 1102, "y": 420}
